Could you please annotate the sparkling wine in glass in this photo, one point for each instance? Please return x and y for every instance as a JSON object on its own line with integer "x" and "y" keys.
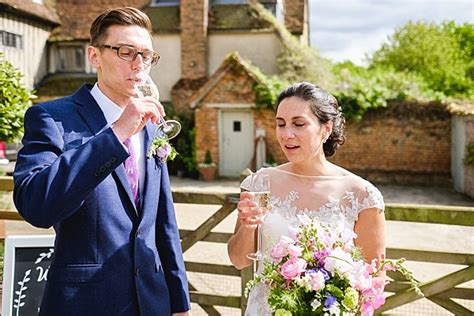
{"x": 147, "y": 88}
{"x": 260, "y": 189}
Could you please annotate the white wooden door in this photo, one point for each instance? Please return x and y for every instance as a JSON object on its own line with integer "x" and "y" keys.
{"x": 236, "y": 142}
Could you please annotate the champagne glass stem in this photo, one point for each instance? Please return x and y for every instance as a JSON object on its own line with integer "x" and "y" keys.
{"x": 163, "y": 121}
{"x": 259, "y": 240}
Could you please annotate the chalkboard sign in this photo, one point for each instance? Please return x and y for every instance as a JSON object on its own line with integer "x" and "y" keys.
{"x": 26, "y": 264}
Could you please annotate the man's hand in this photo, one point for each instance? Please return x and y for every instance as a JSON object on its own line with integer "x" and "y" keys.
{"x": 180, "y": 314}
{"x": 137, "y": 112}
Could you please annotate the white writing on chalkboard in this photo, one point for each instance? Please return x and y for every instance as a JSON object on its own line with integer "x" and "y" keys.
{"x": 27, "y": 261}
{"x": 42, "y": 275}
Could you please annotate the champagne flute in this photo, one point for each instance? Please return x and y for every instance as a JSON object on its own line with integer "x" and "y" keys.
{"x": 147, "y": 88}
{"x": 260, "y": 189}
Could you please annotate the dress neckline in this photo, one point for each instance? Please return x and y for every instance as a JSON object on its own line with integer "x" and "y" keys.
{"x": 311, "y": 177}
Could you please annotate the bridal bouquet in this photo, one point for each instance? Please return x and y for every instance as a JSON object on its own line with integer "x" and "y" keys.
{"x": 317, "y": 270}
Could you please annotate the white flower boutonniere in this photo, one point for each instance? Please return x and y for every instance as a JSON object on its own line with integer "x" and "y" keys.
{"x": 162, "y": 149}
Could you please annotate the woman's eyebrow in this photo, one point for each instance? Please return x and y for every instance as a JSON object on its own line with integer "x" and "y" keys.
{"x": 293, "y": 118}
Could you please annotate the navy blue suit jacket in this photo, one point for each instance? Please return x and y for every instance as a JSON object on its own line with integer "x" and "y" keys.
{"x": 110, "y": 259}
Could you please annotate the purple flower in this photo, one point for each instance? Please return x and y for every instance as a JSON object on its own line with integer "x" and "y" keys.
{"x": 325, "y": 274}
{"x": 163, "y": 151}
{"x": 329, "y": 300}
{"x": 320, "y": 256}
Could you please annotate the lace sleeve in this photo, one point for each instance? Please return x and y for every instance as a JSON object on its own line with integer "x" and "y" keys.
{"x": 371, "y": 198}
{"x": 245, "y": 184}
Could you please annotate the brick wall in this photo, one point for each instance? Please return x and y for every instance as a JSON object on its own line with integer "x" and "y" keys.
{"x": 193, "y": 24}
{"x": 394, "y": 149}
{"x": 207, "y": 136}
{"x": 193, "y": 17}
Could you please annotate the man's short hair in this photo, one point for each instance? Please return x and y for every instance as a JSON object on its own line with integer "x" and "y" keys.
{"x": 117, "y": 16}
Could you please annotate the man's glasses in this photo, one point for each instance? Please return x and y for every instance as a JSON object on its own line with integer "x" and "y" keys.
{"x": 129, "y": 53}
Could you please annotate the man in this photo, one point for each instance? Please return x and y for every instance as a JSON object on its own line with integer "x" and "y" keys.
{"x": 84, "y": 170}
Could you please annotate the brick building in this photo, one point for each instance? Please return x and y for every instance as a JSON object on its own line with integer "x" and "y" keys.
{"x": 192, "y": 37}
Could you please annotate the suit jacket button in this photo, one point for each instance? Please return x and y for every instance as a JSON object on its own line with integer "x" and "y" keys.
{"x": 136, "y": 272}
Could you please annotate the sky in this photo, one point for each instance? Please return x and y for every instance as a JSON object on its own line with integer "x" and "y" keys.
{"x": 348, "y": 29}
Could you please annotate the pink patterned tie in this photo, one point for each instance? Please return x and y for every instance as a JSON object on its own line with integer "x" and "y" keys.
{"x": 131, "y": 169}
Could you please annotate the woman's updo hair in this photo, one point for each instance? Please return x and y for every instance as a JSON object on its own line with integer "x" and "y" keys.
{"x": 325, "y": 107}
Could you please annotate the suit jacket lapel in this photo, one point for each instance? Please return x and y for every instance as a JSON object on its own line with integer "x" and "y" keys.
{"x": 151, "y": 190}
{"x": 91, "y": 113}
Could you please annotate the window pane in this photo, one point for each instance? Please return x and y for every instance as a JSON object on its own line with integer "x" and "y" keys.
{"x": 237, "y": 126}
{"x": 164, "y": 2}
{"x": 229, "y": 1}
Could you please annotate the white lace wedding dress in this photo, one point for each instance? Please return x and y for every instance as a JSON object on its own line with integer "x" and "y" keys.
{"x": 329, "y": 199}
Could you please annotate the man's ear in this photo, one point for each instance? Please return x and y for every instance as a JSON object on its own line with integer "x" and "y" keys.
{"x": 93, "y": 56}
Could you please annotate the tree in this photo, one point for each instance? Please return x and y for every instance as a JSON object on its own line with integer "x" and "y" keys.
{"x": 15, "y": 98}
{"x": 440, "y": 54}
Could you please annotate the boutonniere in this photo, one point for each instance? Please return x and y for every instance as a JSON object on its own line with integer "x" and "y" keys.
{"x": 162, "y": 149}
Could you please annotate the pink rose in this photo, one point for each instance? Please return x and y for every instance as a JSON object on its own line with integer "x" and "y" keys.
{"x": 292, "y": 268}
{"x": 294, "y": 250}
{"x": 278, "y": 252}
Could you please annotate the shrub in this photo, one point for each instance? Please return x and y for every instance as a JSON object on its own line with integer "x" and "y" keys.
{"x": 15, "y": 98}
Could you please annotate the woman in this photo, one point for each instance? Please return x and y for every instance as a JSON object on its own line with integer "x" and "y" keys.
{"x": 309, "y": 128}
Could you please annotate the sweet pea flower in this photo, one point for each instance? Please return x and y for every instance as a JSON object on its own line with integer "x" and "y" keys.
{"x": 329, "y": 300}
{"x": 339, "y": 260}
{"x": 316, "y": 280}
{"x": 293, "y": 233}
{"x": 164, "y": 151}
{"x": 294, "y": 250}
{"x": 292, "y": 268}
{"x": 304, "y": 219}
{"x": 278, "y": 252}
{"x": 368, "y": 307}
{"x": 325, "y": 274}
{"x": 285, "y": 241}
{"x": 315, "y": 304}
{"x": 320, "y": 256}
{"x": 335, "y": 309}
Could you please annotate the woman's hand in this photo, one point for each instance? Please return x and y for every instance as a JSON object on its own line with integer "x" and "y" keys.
{"x": 250, "y": 215}
{"x": 243, "y": 241}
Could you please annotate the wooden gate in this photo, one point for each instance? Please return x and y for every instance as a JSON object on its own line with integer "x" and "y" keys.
{"x": 441, "y": 290}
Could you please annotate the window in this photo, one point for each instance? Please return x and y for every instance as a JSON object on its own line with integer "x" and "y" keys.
{"x": 11, "y": 39}
{"x": 228, "y": 1}
{"x": 71, "y": 58}
{"x": 237, "y": 126}
{"x": 157, "y": 3}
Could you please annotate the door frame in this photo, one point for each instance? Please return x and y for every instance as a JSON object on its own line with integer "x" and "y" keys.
{"x": 224, "y": 107}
